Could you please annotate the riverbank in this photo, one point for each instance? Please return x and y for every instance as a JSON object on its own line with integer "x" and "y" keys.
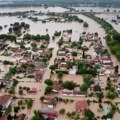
{"x": 112, "y": 36}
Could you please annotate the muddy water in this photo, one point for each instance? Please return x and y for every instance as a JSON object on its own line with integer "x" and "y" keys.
{"x": 39, "y": 28}
{"x": 38, "y": 9}
{"x": 109, "y": 17}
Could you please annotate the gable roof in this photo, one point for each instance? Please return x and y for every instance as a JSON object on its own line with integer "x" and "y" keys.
{"x": 81, "y": 105}
{"x": 4, "y": 99}
{"x": 21, "y": 117}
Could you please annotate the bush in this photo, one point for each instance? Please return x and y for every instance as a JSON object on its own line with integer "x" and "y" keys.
{"x": 30, "y": 76}
{"x": 48, "y": 82}
{"x": 21, "y": 92}
{"x": 48, "y": 90}
{"x": 62, "y": 111}
{"x": 20, "y": 102}
{"x": 70, "y": 85}
{"x": 85, "y": 24}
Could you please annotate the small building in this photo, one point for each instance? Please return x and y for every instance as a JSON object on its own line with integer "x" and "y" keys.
{"x": 19, "y": 51}
{"x": 109, "y": 70}
{"x": 19, "y": 40}
{"x": 81, "y": 106}
{"x": 26, "y": 59}
{"x": 50, "y": 101}
{"x": 97, "y": 88}
{"x": 49, "y": 113}
{"x": 3, "y": 118}
{"x": 61, "y": 52}
{"x": 5, "y": 101}
{"x": 40, "y": 68}
{"x": 106, "y": 61}
{"x": 56, "y": 87}
{"x": 30, "y": 70}
{"x": 39, "y": 76}
{"x": 21, "y": 117}
{"x": 66, "y": 92}
{"x": 33, "y": 90}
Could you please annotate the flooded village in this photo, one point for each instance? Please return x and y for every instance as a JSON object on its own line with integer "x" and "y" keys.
{"x": 55, "y": 64}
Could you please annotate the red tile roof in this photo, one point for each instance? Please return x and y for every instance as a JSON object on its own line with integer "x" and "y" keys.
{"x": 4, "y": 99}
{"x": 21, "y": 117}
{"x": 2, "y": 118}
{"x": 81, "y": 105}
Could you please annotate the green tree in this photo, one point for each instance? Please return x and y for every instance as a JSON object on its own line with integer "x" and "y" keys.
{"x": 42, "y": 98}
{"x": 112, "y": 95}
{"x": 52, "y": 67}
{"x": 70, "y": 85}
{"x": 21, "y": 92}
{"x": 84, "y": 87}
{"x": 100, "y": 95}
{"x": 62, "y": 111}
{"x": 29, "y": 103}
{"x": 74, "y": 53}
{"x": 37, "y": 116}
{"x": 89, "y": 115}
{"x": 60, "y": 75}
{"x": 48, "y": 90}
{"x": 48, "y": 82}
{"x": 85, "y": 24}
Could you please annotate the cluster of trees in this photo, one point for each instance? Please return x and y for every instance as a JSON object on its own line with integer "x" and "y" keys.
{"x": 87, "y": 82}
{"x": 18, "y": 13}
{"x": 83, "y": 68}
{"x": 111, "y": 94}
{"x": 37, "y": 37}
{"x": 6, "y": 37}
{"x": 11, "y": 72}
{"x": 112, "y": 36}
{"x": 16, "y": 27}
{"x": 49, "y": 88}
{"x": 34, "y": 19}
{"x": 37, "y": 116}
{"x": 70, "y": 85}
{"x": 71, "y": 18}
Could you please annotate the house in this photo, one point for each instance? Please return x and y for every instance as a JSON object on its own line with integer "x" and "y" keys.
{"x": 66, "y": 37}
{"x": 33, "y": 90}
{"x": 39, "y": 76}
{"x": 109, "y": 70}
{"x": 25, "y": 59}
{"x": 56, "y": 87}
{"x": 61, "y": 52}
{"x": 66, "y": 92}
{"x": 62, "y": 65}
{"x": 19, "y": 40}
{"x": 81, "y": 106}
{"x": 3, "y": 45}
{"x": 97, "y": 88}
{"x": 5, "y": 101}
{"x": 40, "y": 68}
{"x": 114, "y": 77}
{"x": 3, "y": 118}
{"x": 19, "y": 52}
{"x": 50, "y": 101}
{"x": 21, "y": 117}
{"x": 49, "y": 112}
{"x": 30, "y": 70}
{"x": 106, "y": 61}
